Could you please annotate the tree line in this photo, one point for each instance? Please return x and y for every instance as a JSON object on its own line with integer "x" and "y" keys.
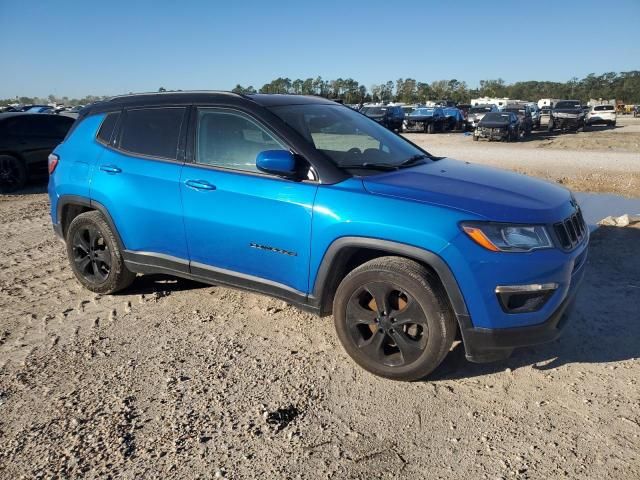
{"x": 624, "y": 86}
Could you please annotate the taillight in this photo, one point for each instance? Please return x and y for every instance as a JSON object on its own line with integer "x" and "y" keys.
{"x": 53, "y": 162}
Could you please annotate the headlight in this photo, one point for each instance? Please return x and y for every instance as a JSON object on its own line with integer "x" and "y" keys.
{"x": 504, "y": 237}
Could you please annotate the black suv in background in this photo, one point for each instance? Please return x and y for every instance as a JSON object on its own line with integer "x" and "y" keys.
{"x": 524, "y": 116}
{"x": 566, "y": 115}
{"x": 391, "y": 117}
{"x": 26, "y": 140}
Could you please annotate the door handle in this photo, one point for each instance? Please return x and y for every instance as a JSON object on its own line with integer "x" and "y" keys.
{"x": 110, "y": 169}
{"x": 199, "y": 185}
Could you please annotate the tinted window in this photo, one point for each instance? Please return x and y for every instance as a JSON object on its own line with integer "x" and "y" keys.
{"x": 38, "y": 126}
{"x": 231, "y": 140}
{"x": 152, "y": 131}
{"x": 107, "y": 127}
{"x": 602, "y": 108}
{"x": 59, "y": 126}
{"x": 567, "y": 104}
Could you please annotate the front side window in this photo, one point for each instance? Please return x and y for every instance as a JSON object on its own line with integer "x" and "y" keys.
{"x": 231, "y": 140}
{"x": 345, "y": 137}
{"x": 152, "y": 131}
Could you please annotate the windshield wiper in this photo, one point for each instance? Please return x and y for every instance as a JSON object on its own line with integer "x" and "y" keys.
{"x": 372, "y": 166}
{"x": 413, "y": 160}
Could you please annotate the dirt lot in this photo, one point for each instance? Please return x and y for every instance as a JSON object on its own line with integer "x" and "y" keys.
{"x": 174, "y": 379}
{"x": 602, "y": 159}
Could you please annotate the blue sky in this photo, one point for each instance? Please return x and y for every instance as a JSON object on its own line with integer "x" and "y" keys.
{"x": 76, "y": 48}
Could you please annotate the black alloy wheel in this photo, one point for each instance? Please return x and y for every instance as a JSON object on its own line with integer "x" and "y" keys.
{"x": 387, "y": 324}
{"x": 392, "y": 317}
{"x": 13, "y": 174}
{"x": 91, "y": 254}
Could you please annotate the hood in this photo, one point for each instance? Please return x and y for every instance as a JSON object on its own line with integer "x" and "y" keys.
{"x": 491, "y": 193}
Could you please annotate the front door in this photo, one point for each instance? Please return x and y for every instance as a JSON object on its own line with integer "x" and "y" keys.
{"x": 241, "y": 223}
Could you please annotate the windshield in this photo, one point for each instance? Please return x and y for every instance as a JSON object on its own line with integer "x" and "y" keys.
{"x": 346, "y": 137}
{"x": 479, "y": 109}
{"x": 423, "y": 111}
{"x": 494, "y": 116}
{"x": 374, "y": 110}
{"x": 568, "y": 104}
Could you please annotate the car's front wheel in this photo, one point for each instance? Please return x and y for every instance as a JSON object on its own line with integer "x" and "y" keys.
{"x": 95, "y": 256}
{"x": 393, "y": 319}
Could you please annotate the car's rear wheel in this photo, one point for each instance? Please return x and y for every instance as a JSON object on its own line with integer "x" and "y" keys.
{"x": 393, "y": 319}
{"x": 430, "y": 128}
{"x": 13, "y": 174}
{"x": 95, "y": 255}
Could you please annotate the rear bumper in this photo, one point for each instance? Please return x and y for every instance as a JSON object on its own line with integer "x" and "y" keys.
{"x": 488, "y": 344}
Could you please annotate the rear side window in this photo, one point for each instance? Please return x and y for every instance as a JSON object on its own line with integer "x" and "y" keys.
{"x": 36, "y": 125}
{"x": 108, "y": 126}
{"x": 152, "y": 131}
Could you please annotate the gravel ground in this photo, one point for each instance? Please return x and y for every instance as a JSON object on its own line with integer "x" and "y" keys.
{"x": 173, "y": 379}
{"x": 599, "y": 160}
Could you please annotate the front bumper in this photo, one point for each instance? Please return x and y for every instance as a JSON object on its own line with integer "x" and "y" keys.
{"x": 492, "y": 133}
{"x": 491, "y": 344}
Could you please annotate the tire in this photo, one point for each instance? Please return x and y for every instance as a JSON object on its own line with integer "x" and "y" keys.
{"x": 372, "y": 338}
{"x": 90, "y": 237}
{"x": 13, "y": 174}
{"x": 475, "y": 138}
{"x": 400, "y": 128}
{"x": 431, "y": 128}
{"x": 550, "y": 126}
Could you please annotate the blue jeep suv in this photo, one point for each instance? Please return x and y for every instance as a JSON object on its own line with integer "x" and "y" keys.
{"x": 312, "y": 202}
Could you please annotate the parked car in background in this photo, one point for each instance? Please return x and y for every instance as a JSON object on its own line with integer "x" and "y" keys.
{"x": 476, "y": 113}
{"x": 464, "y": 108}
{"x": 26, "y": 140}
{"x": 391, "y": 117}
{"x": 566, "y": 115}
{"x": 535, "y": 115}
{"x": 601, "y": 115}
{"x": 426, "y": 119}
{"x": 545, "y": 115}
{"x": 406, "y": 250}
{"x": 408, "y": 109}
{"x": 503, "y": 125}
{"x": 454, "y": 119}
{"x": 524, "y": 116}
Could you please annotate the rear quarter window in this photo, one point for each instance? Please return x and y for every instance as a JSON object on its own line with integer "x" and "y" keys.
{"x": 107, "y": 128}
{"x": 152, "y": 132}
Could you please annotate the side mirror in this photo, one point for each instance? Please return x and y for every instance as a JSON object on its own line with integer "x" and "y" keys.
{"x": 277, "y": 162}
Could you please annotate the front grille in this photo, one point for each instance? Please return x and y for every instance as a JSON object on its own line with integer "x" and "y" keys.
{"x": 571, "y": 231}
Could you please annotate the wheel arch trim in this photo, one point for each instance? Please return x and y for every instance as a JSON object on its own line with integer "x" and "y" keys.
{"x": 66, "y": 200}
{"x": 427, "y": 257}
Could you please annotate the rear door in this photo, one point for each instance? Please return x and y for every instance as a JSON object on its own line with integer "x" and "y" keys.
{"x": 137, "y": 179}
{"x": 243, "y": 224}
